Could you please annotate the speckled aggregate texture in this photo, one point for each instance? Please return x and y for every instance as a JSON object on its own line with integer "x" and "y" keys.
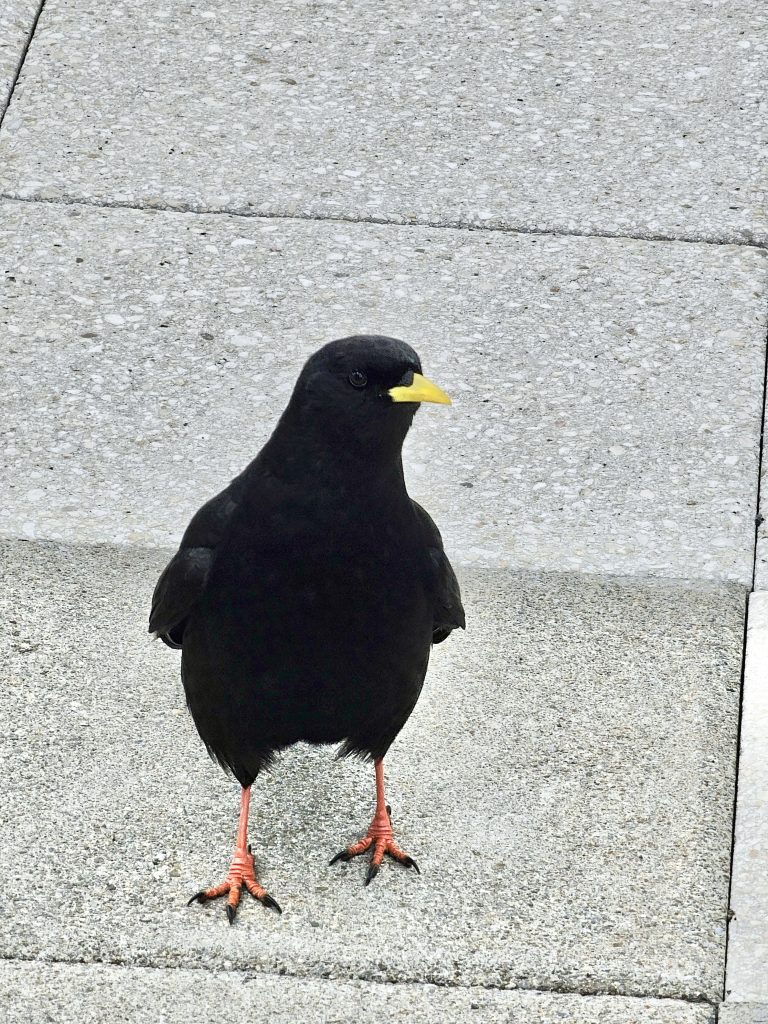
{"x": 743, "y": 1013}
{"x": 761, "y": 553}
{"x": 747, "y": 975}
{"x": 607, "y": 393}
{"x": 587, "y": 117}
{"x": 39, "y": 993}
{"x": 16, "y": 20}
{"x": 565, "y": 783}
{"x": 761, "y": 548}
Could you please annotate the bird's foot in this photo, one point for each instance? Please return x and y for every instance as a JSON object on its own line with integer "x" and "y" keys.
{"x": 381, "y": 838}
{"x": 241, "y": 873}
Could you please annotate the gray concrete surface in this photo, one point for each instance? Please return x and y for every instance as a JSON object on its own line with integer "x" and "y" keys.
{"x": 743, "y": 1013}
{"x": 747, "y": 975}
{"x": 566, "y": 785}
{"x": 607, "y": 393}
{"x": 16, "y": 21}
{"x": 563, "y": 116}
{"x": 761, "y": 549}
{"x": 568, "y": 778}
{"x": 39, "y": 993}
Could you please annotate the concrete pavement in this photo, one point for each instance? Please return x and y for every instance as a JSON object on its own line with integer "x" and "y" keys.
{"x": 34, "y": 993}
{"x": 568, "y": 780}
{"x": 608, "y": 393}
{"x": 560, "y": 117}
{"x": 18, "y": 21}
{"x": 749, "y": 889}
{"x": 566, "y": 787}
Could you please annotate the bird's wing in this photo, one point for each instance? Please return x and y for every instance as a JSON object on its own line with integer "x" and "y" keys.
{"x": 178, "y": 590}
{"x": 448, "y": 609}
{"x": 183, "y": 580}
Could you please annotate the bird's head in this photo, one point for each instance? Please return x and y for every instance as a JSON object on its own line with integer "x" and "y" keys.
{"x": 363, "y": 392}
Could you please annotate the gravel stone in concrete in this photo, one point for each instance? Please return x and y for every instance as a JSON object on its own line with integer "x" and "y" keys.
{"x": 747, "y": 974}
{"x": 607, "y": 392}
{"x": 38, "y": 993}
{"x": 562, "y": 116}
{"x": 16, "y": 21}
{"x": 566, "y": 784}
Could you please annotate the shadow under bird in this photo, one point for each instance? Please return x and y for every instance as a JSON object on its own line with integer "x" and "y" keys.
{"x": 306, "y": 596}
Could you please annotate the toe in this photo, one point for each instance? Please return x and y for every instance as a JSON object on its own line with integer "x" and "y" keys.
{"x": 353, "y": 851}
{"x": 209, "y": 894}
{"x": 376, "y": 858}
{"x": 254, "y": 888}
{"x": 260, "y": 893}
{"x": 360, "y": 847}
{"x": 232, "y": 902}
{"x": 379, "y": 850}
{"x": 373, "y": 870}
{"x": 271, "y": 902}
{"x": 402, "y": 857}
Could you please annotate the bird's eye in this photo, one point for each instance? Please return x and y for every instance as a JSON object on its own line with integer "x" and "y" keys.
{"x": 357, "y": 379}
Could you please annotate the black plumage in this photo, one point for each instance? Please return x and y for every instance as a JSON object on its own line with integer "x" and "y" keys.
{"x": 305, "y": 596}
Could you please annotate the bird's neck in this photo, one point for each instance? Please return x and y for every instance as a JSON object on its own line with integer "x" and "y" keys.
{"x": 299, "y": 457}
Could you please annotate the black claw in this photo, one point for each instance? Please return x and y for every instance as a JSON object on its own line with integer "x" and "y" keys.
{"x": 389, "y": 810}
{"x": 271, "y": 902}
{"x": 373, "y": 870}
{"x": 231, "y": 914}
{"x": 341, "y": 855}
{"x": 199, "y": 897}
{"x": 249, "y": 848}
{"x": 411, "y": 863}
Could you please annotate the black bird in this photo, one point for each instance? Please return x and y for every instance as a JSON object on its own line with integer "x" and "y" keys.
{"x": 305, "y": 597}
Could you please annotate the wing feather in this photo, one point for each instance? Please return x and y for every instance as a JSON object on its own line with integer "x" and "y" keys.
{"x": 183, "y": 580}
{"x": 448, "y": 609}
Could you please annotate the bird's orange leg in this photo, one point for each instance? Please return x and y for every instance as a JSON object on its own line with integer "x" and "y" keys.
{"x": 379, "y": 835}
{"x": 241, "y": 871}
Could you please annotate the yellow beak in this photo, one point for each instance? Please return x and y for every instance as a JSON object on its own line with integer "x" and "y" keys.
{"x": 419, "y": 390}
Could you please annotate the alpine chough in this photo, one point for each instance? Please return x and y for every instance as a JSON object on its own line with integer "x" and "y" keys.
{"x": 305, "y": 597}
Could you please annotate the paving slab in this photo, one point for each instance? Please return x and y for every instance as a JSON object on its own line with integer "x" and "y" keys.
{"x": 566, "y": 785}
{"x": 761, "y": 547}
{"x": 747, "y": 973}
{"x": 16, "y": 23}
{"x": 38, "y": 993}
{"x": 563, "y": 116}
{"x": 743, "y": 1013}
{"x": 608, "y": 393}
{"x": 761, "y": 552}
